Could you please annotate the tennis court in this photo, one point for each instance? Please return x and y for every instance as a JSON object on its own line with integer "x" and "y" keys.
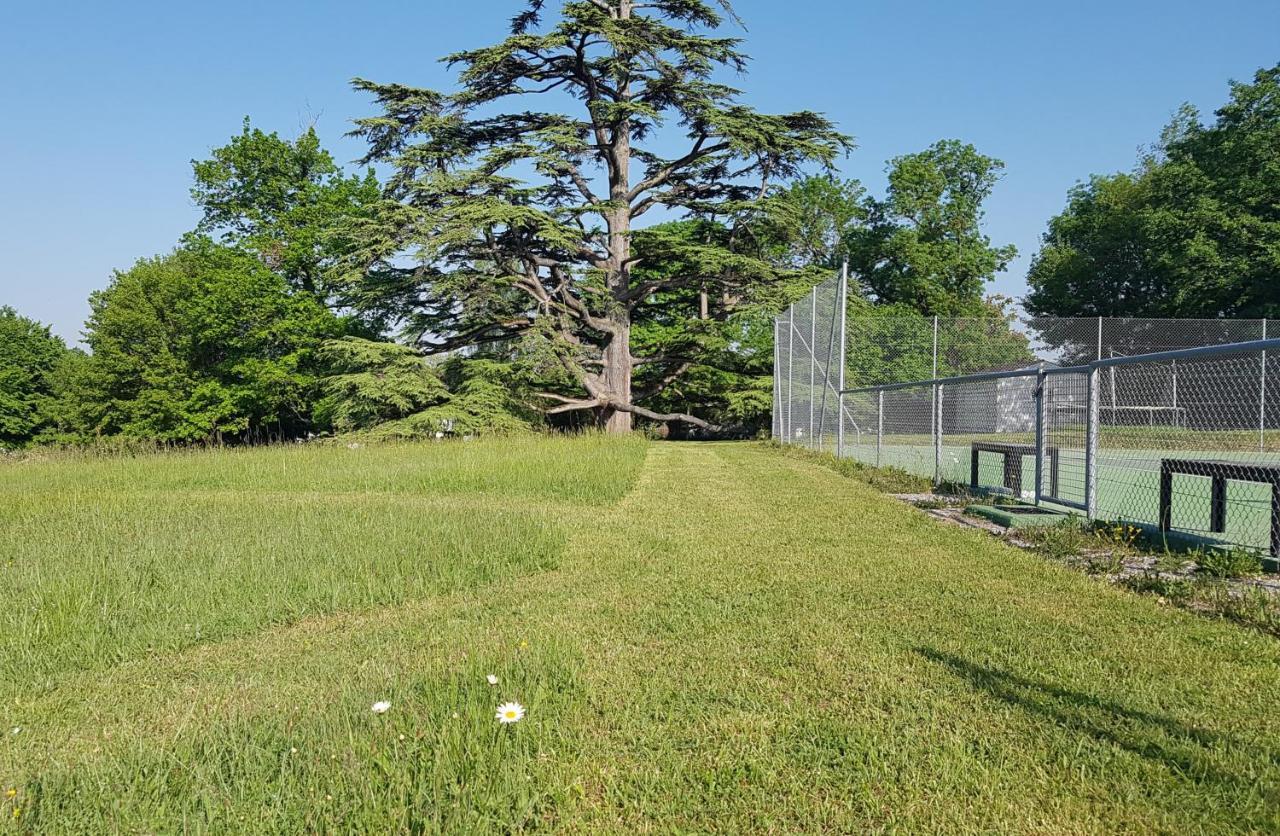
{"x": 1128, "y": 478}
{"x": 1184, "y": 396}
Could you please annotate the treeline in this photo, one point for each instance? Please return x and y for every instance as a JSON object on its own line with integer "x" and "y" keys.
{"x": 504, "y": 270}
{"x": 246, "y": 332}
{"x": 497, "y": 276}
{"x": 238, "y": 335}
{"x": 1193, "y": 231}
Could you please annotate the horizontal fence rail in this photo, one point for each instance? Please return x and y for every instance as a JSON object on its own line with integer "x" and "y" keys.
{"x": 1183, "y": 439}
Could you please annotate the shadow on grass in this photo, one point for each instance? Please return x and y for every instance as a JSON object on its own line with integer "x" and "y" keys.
{"x": 1190, "y": 753}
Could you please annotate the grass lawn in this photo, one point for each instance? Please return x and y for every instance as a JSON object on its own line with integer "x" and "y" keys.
{"x": 706, "y": 637}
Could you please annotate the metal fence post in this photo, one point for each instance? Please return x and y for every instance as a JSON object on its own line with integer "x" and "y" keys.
{"x": 1091, "y": 448}
{"x": 933, "y": 400}
{"x": 1041, "y": 395}
{"x": 813, "y": 358}
{"x": 879, "y": 425}
{"x": 1111, "y": 376}
{"x": 1262, "y": 397}
{"x": 776, "y": 428}
{"x": 937, "y": 438}
{"x": 935, "y": 348}
{"x": 791, "y": 354}
{"x": 842, "y": 297}
{"x": 826, "y": 376}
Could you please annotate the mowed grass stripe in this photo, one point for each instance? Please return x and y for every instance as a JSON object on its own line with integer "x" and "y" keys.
{"x": 743, "y": 642}
{"x": 829, "y": 659}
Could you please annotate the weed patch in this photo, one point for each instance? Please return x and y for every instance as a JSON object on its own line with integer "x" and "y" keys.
{"x": 1228, "y": 563}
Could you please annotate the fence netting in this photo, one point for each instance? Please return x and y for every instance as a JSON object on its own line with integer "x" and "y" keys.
{"x": 1065, "y": 420}
{"x": 807, "y": 380}
{"x": 1170, "y": 424}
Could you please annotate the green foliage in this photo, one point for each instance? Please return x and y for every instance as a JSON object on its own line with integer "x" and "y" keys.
{"x": 923, "y": 245}
{"x": 704, "y": 353}
{"x": 1228, "y": 563}
{"x": 1177, "y": 589}
{"x": 71, "y": 410}
{"x": 1194, "y": 231}
{"x": 487, "y": 396}
{"x": 918, "y": 252}
{"x": 204, "y": 344}
{"x": 1091, "y": 262}
{"x": 1117, "y": 533}
{"x": 1063, "y": 541}
{"x": 1209, "y": 595}
{"x": 892, "y": 343}
{"x": 285, "y": 200}
{"x": 371, "y": 383}
{"x": 391, "y": 392}
{"x": 29, "y": 357}
{"x": 817, "y": 218}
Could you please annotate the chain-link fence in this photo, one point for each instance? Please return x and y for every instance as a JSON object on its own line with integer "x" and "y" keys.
{"x": 1171, "y": 424}
{"x": 808, "y": 370}
{"x": 890, "y": 349}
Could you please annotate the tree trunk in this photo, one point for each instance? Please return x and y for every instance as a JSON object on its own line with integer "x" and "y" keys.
{"x": 616, "y": 376}
{"x": 616, "y": 373}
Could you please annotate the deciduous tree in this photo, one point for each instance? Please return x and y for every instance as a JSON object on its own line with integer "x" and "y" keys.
{"x": 29, "y": 356}
{"x": 286, "y": 200}
{"x": 1194, "y": 231}
{"x": 923, "y": 245}
{"x": 204, "y": 344}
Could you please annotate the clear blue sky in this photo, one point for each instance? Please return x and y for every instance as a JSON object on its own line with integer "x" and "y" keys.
{"x": 103, "y": 105}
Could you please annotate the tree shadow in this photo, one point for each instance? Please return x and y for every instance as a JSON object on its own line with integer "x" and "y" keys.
{"x": 1185, "y": 750}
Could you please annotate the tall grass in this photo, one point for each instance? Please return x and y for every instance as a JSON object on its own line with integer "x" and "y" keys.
{"x": 109, "y": 558}
{"x": 591, "y": 468}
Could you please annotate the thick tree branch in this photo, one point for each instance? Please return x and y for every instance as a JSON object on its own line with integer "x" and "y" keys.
{"x": 481, "y": 334}
{"x": 575, "y": 174}
{"x": 560, "y": 398}
{"x": 573, "y": 407}
{"x": 666, "y": 380}
{"x": 664, "y": 417}
{"x": 666, "y": 172}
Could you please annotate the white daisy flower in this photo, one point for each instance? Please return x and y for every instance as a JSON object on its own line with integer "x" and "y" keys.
{"x": 381, "y": 707}
{"x": 493, "y": 680}
{"x": 510, "y": 712}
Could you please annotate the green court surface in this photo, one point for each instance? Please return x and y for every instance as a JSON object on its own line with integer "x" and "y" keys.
{"x": 1128, "y": 481}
